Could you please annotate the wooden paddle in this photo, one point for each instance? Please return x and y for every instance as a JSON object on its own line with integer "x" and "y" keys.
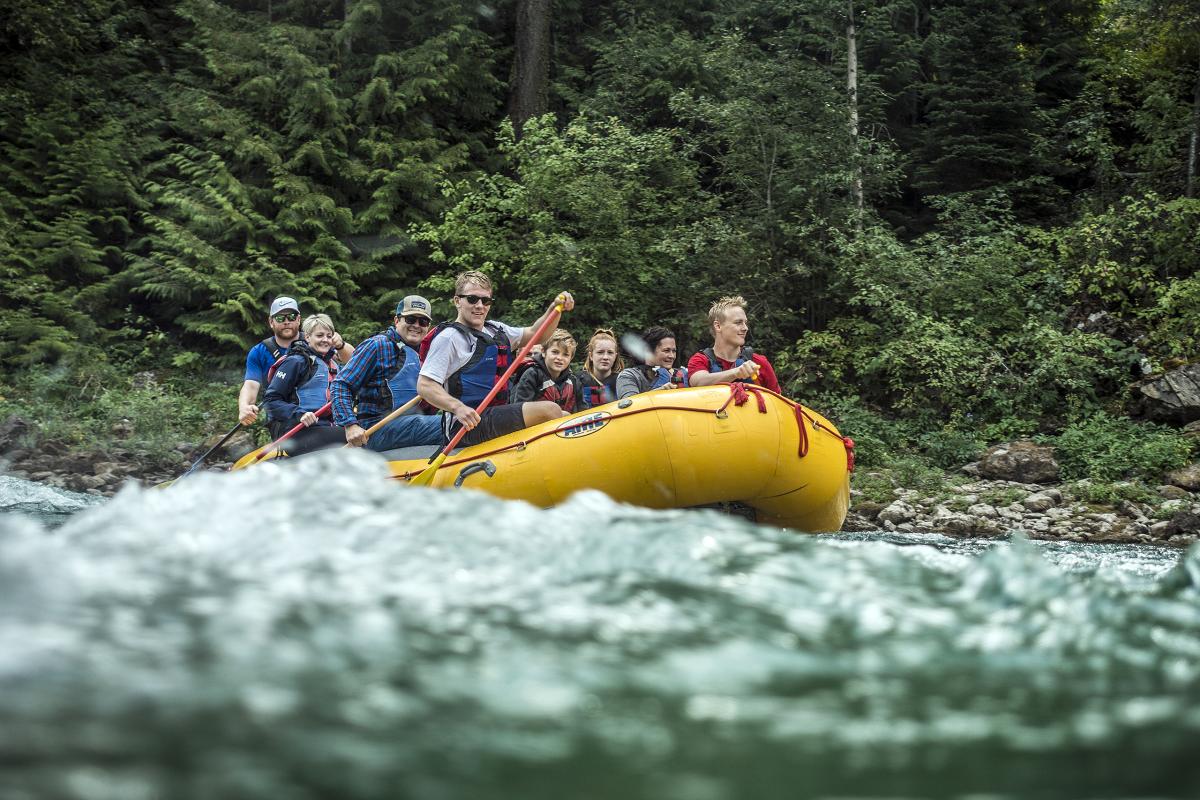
{"x": 397, "y": 412}
{"x": 427, "y": 475}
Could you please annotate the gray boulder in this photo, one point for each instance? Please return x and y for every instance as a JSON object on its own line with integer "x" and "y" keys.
{"x": 1172, "y": 397}
{"x": 1186, "y": 478}
{"x": 1039, "y": 501}
{"x": 1021, "y": 461}
{"x": 897, "y": 512}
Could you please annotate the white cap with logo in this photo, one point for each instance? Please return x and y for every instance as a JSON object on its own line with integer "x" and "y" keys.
{"x": 282, "y": 304}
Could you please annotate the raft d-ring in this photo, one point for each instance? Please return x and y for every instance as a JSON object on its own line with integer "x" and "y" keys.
{"x": 626, "y": 403}
{"x": 486, "y": 467}
{"x": 722, "y": 413}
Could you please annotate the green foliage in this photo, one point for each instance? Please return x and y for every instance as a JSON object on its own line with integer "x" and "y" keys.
{"x": 1110, "y": 493}
{"x": 965, "y": 323}
{"x": 1103, "y": 448}
{"x": 616, "y": 217}
{"x": 93, "y": 406}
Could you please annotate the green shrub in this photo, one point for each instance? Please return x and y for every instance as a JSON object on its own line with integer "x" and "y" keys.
{"x": 1102, "y": 448}
{"x": 1109, "y": 494}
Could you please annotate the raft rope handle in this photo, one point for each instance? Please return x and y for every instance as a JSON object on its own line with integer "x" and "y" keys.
{"x": 758, "y": 391}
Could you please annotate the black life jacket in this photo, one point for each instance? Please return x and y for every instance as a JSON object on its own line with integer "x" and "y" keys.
{"x": 489, "y": 361}
{"x": 595, "y": 392}
{"x": 567, "y": 391}
{"x": 743, "y": 356}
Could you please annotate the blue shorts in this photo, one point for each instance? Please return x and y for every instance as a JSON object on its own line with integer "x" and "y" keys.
{"x": 411, "y": 430}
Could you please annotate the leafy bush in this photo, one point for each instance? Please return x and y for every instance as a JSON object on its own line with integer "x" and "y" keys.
{"x": 95, "y": 407}
{"x": 1109, "y": 493}
{"x": 1102, "y": 447}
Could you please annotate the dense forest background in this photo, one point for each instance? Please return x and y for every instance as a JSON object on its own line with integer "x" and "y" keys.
{"x": 979, "y": 216}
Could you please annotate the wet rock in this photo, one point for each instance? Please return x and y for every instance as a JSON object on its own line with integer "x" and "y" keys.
{"x": 868, "y": 509}
{"x": 12, "y": 430}
{"x": 1039, "y": 502}
{"x": 1182, "y": 523}
{"x": 1169, "y": 492}
{"x": 1186, "y": 478}
{"x": 899, "y": 511}
{"x": 241, "y": 443}
{"x": 1021, "y": 461}
{"x": 1173, "y": 397}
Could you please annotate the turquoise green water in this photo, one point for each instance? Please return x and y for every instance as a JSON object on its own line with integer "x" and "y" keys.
{"x": 318, "y": 632}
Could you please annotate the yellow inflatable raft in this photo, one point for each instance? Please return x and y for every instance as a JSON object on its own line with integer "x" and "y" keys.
{"x": 671, "y": 449}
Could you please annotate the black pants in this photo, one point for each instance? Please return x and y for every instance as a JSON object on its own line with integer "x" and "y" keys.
{"x": 306, "y": 440}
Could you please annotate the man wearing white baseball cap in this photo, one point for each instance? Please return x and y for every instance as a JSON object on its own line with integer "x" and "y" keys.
{"x": 284, "y": 319}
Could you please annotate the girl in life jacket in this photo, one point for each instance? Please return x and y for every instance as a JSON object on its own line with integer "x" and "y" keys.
{"x": 658, "y": 371}
{"x": 548, "y": 376}
{"x": 298, "y": 386}
{"x": 601, "y": 364}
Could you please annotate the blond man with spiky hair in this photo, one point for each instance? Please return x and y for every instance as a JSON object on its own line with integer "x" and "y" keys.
{"x": 462, "y": 360}
{"x": 730, "y": 360}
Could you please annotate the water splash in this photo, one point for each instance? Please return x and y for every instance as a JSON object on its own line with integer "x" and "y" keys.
{"x": 316, "y": 629}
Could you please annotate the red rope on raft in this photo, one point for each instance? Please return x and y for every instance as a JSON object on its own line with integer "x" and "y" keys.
{"x": 739, "y": 393}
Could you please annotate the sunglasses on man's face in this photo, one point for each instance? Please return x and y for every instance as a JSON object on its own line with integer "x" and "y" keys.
{"x": 413, "y": 319}
{"x": 474, "y": 298}
{"x": 286, "y": 316}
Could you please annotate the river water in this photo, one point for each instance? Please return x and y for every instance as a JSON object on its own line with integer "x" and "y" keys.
{"x": 316, "y": 631}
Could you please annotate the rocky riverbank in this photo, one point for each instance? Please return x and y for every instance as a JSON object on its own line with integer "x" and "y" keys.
{"x": 103, "y": 472}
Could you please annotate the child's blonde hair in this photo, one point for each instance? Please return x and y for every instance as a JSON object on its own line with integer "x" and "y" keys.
{"x": 603, "y": 333}
{"x": 563, "y": 340}
{"x": 717, "y": 312}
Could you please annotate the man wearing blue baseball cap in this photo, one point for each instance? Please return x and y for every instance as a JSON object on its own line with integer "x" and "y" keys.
{"x": 381, "y": 377}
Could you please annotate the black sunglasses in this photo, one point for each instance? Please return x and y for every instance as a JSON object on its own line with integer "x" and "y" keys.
{"x": 474, "y": 298}
{"x": 286, "y": 316}
{"x": 414, "y": 319}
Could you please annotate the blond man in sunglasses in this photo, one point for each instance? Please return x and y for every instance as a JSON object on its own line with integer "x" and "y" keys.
{"x": 465, "y": 359}
{"x": 284, "y": 319}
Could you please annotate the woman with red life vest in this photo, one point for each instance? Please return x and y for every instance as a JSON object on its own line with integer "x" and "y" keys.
{"x": 730, "y": 360}
{"x": 659, "y": 370}
{"x": 462, "y": 360}
{"x": 548, "y": 375}
{"x": 299, "y": 385}
{"x": 601, "y": 365}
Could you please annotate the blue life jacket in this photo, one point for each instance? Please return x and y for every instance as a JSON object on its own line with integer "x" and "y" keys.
{"x": 663, "y": 376}
{"x": 404, "y": 383}
{"x": 488, "y": 363}
{"x": 314, "y": 392}
{"x": 743, "y": 356}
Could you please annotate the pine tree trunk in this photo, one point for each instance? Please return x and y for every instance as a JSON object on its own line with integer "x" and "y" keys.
{"x": 531, "y": 64}
{"x": 1194, "y": 145}
{"x": 856, "y": 189}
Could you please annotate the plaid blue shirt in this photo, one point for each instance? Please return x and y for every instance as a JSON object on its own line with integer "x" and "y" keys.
{"x": 364, "y": 381}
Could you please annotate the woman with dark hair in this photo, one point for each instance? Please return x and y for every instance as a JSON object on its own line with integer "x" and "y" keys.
{"x": 658, "y": 371}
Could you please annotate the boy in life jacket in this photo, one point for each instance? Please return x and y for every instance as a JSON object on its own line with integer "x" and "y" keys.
{"x": 284, "y": 319}
{"x": 465, "y": 358}
{"x": 658, "y": 371}
{"x": 381, "y": 377}
{"x": 299, "y": 386}
{"x": 730, "y": 359}
{"x": 548, "y": 375}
